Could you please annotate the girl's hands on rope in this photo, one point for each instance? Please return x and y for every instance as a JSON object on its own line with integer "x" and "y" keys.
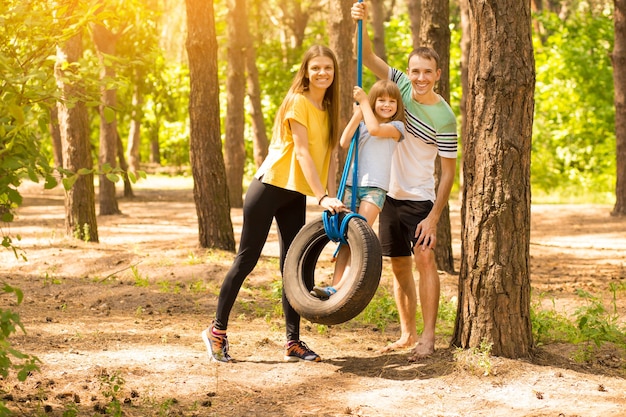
{"x": 332, "y": 204}
{"x": 359, "y": 95}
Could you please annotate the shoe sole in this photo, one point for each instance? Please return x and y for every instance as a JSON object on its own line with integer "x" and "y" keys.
{"x": 207, "y": 342}
{"x": 298, "y": 359}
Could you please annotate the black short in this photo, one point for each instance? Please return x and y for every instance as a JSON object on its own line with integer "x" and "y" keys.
{"x": 397, "y": 224}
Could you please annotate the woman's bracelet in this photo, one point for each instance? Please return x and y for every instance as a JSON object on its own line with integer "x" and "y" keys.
{"x": 319, "y": 203}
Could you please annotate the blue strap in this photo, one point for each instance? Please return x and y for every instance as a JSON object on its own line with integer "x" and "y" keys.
{"x": 335, "y": 229}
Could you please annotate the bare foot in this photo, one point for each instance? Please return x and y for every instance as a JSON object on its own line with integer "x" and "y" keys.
{"x": 399, "y": 344}
{"x": 422, "y": 349}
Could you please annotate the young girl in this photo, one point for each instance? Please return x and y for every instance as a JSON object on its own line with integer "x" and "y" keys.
{"x": 380, "y": 119}
{"x": 298, "y": 164}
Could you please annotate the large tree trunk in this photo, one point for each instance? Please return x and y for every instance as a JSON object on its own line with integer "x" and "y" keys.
{"x": 210, "y": 191}
{"x": 619, "y": 81}
{"x": 235, "y": 155}
{"x": 435, "y": 32}
{"x": 494, "y": 281}
{"x": 340, "y": 28}
{"x": 80, "y": 209}
{"x": 105, "y": 40}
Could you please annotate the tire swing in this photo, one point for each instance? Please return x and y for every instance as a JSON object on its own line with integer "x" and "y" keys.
{"x": 361, "y": 282}
{"x": 349, "y": 229}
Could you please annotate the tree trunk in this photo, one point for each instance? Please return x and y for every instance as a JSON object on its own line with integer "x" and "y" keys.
{"x": 55, "y": 133}
{"x": 105, "y": 41}
{"x": 261, "y": 141}
{"x": 494, "y": 281}
{"x": 80, "y": 209}
{"x": 415, "y": 15}
{"x": 435, "y": 32}
{"x": 340, "y": 28}
{"x": 465, "y": 51}
{"x": 235, "y": 155}
{"x": 134, "y": 137}
{"x": 619, "y": 81}
{"x": 210, "y": 191}
{"x": 378, "y": 24}
{"x": 128, "y": 189}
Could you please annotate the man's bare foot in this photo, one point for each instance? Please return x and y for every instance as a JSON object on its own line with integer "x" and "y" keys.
{"x": 422, "y": 350}
{"x": 399, "y": 344}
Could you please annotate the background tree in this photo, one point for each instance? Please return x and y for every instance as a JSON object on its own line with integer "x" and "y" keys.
{"x": 80, "y": 209}
{"x": 235, "y": 152}
{"x": 205, "y": 149}
{"x": 260, "y": 139}
{"x": 494, "y": 282}
{"x": 340, "y": 28}
{"x": 434, "y": 32}
{"x": 105, "y": 41}
{"x": 619, "y": 77}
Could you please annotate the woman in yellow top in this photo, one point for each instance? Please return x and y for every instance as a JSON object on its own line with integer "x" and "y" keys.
{"x": 298, "y": 164}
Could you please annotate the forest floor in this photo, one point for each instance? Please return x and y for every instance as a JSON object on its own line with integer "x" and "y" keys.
{"x": 123, "y": 317}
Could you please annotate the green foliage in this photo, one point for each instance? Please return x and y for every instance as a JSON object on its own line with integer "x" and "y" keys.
{"x": 591, "y": 325}
{"x": 11, "y": 359}
{"x": 574, "y": 126}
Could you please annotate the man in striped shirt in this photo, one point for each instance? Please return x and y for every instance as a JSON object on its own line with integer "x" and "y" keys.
{"x": 408, "y": 221}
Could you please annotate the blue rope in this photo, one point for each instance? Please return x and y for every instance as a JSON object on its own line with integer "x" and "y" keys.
{"x": 336, "y": 229}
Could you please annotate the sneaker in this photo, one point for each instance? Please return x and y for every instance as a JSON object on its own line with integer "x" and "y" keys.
{"x": 323, "y": 293}
{"x": 298, "y": 350}
{"x": 216, "y": 346}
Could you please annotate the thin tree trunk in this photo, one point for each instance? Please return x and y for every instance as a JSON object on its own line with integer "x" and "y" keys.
{"x": 105, "y": 40}
{"x": 235, "y": 152}
{"x": 415, "y": 16}
{"x": 128, "y": 189}
{"x": 210, "y": 191}
{"x": 619, "y": 81}
{"x": 260, "y": 140}
{"x": 435, "y": 32}
{"x": 494, "y": 281}
{"x": 55, "y": 133}
{"x": 378, "y": 24}
{"x": 340, "y": 28}
{"x": 134, "y": 137}
{"x": 80, "y": 210}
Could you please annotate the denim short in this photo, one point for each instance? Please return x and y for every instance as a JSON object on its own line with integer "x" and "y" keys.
{"x": 373, "y": 195}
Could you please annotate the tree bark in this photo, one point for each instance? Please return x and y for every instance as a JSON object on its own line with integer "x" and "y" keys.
{"x": 260, "y": 140}
{"x": 619, "y": 81}
{"x": 55, "y": 133}
{"x": 378, "y": 25}
{"x": 128, "y": 188}
{"x": 435, "y": 32}
{"x": 205, "y": 148}
{"x": 415, "y": 16}
{"x": 80, "y": 210}
{"x": 105, "y": 41}
{"x": 340, "y": 28}
{"x": 235, "y": 155}
{"x": 494, "y": 281}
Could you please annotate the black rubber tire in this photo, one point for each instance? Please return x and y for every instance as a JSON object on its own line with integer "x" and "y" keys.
{"x": 354, "y": 295}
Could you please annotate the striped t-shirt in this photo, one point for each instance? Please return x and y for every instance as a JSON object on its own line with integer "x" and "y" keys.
{"x": 430, "y": 130}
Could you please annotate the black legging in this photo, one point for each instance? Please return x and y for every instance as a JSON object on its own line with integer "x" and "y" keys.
{"x": 262, "y": 204}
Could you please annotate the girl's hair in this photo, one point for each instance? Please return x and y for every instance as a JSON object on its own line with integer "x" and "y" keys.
{"x": 300, "y": 84}
{"x": 387, "y": 88}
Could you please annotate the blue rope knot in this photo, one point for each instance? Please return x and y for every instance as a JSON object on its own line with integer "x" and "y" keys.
{"x": 336, "y": 225}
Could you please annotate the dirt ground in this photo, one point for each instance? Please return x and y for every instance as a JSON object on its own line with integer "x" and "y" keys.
{"x": 124, "y": 316}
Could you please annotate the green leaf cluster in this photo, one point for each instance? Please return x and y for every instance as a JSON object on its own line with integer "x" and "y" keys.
{"x": 574, "y": 126}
